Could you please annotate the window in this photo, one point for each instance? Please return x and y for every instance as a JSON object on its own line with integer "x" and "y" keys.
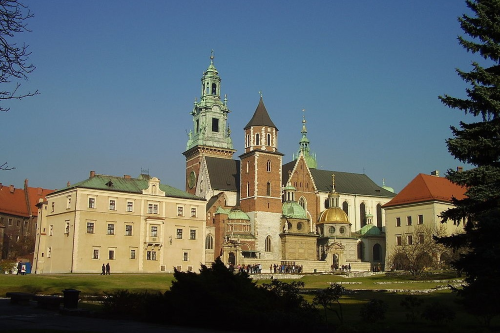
{"x": 215, "y": 125}
{"x": 409, "y": 239}
{"x": 128, "y": 230}
{"x": 345, "y": 208}
{"x": 398, "y": 240}
{"x": 95, "y": 255}
{"x": 51, "y": 230}
{"x": 151, "y": 255}
{"x": 267, "y": 246}
{"x": 49, "y": 252}
{"x": 180, "y": 211}
{"x": 214, "y": 89}
{"x": 257, "y": 139}
{"x": 421, "y": 238}
{"x": 90, "y": 227}
{"x": 342, "y": 230}
{"x": 130, "y": 206}
{"x": 112, "y": 204}
{"x": 179, "y": 233}
{"x": 132, "y": 254}
{"x": 268, "y": 189}
{"x": 66, "y": 227}
{"x": 268, "y": 166}
{"x": 91, "y": 202}
{"x": 408, "y": 220}
{"x": 209, "y": 242}
{"x": 10, "y": 221}
{"x": 152, "y": 208}
{"x": 193, "y": 212}
{"x": 148, "y": 255}
{"x": 111, "y": 254}
{"x": 186, "y": 256}
{"x": 420, "y": 219}
{"x": 68, "y": 202}
{"x": 248, "y": 189}
{"x": 247, "y": 143}
{"x": 269, "y": 139}
{"x": 398, "y": 221}
{"x": 331, "y": 230}
{"x": 53, "y": 206}
{"x": 111, "y": 229}
{"x": 192, "y": 234}
{"x": 154, "y": 231}
{"x": 300, "y": 225}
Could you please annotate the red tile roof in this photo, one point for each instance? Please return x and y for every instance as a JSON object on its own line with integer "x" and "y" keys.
{"x": 427, "y": 188}
{"x": 13, "y": 200}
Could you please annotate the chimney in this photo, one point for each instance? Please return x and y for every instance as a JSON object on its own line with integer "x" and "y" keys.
{"x": 126, "y": 176}
{"x": 68, "y": 184}
{"x": 435, "y": 173}
{"x": 460, "y": 169}
{"x": 11, "y": 188}
{"x": 92, "y": 174}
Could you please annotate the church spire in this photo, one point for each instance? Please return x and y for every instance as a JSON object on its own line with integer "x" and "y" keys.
{"x": 304, "y": 146}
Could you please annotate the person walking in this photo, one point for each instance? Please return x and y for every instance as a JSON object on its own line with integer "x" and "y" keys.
{"x": 108, "y": 269}
{"x": 103, "y": 270}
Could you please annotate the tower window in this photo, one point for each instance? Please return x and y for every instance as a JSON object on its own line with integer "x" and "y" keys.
{"x": 268, "y": 189}
{"x": 269, "y": 139}
{"x": 257, "y": 139}
{"x": 214, "y": 89}
{"x": 268, "y": 244}
{"x": 215, "y": 125}
{"x": 268, "y": 167}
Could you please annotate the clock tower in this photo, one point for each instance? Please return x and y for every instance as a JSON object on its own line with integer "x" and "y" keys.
{"x": 210, "y": 135}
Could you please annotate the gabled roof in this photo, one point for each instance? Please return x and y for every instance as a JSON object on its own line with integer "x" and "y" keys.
{"x": 260, "y": 117}
{"x": 13, "y": 200}
{"x": 345, "y": 182}
{"x": 427, "y": 188}
{"x": 128, "y": 185}
{"x": 224, "y": 173}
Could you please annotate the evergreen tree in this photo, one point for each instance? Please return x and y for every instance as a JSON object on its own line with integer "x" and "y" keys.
{"x": 478, "y": 143}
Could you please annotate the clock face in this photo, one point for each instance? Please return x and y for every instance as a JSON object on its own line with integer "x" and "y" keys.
{"x": 191, "y": 179}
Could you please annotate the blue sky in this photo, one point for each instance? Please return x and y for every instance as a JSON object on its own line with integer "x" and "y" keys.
{"x": 118, "y": 79}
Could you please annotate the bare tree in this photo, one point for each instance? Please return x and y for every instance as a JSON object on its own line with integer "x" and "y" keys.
{"x": 13, "y": 57}
{"x": 418, "y": 250}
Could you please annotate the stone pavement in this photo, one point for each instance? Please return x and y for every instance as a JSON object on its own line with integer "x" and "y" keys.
{"x": 29, "y": 316}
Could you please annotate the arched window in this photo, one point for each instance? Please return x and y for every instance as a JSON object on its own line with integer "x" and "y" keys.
{"x": 209, "y": 242}
{"x": 257, "y": 139}
{"x": 377, "y": 252}
{"x": 345, "y": 208}
{"x": 214, "y": 89}
{"x": 248, "y": 166}
{"x": 268, "y": 189}
{"x": 362, "y": 214}
{"x": 379, "y": 216}
{"x": 302, "y": 202}
{"x": 247, "y": 141}
{"x": 269, "y": 139}
{"x": 268, "y": 244}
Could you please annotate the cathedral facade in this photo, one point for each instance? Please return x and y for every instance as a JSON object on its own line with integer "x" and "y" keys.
{"x": 262, "y": 210}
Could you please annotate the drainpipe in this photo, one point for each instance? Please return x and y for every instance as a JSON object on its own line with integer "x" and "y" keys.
{"x": 74, "y": 233}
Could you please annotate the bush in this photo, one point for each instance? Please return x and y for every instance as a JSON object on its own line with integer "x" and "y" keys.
{"x": 412, "y": 306}
{"x": 373, "y": 311}
{"x": 438, "y": 313}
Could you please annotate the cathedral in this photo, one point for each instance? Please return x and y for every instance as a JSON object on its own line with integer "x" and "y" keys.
{"x": 262, "y": 210}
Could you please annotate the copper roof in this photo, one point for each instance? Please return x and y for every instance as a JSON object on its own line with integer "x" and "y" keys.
{"x": 427, "y": 188}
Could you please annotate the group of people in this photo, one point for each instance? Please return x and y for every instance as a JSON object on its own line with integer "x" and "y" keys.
{"x": 286, "y": 268}
{"x": 106, "y": 269}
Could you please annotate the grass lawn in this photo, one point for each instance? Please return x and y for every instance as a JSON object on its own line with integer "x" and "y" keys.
{"x": 361, "y": 290}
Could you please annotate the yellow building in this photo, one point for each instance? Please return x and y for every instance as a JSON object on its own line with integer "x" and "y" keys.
{"x": 417, "y": 209}
{"x": 134, "y": 224}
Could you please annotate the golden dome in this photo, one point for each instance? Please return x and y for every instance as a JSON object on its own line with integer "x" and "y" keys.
{"x": 333, "y": 215}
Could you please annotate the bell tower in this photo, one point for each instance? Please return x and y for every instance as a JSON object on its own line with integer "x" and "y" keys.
{"x": 210, "y": 135}
{"x": 260, "y": 182}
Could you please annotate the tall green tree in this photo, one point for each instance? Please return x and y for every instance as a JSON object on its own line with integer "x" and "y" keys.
{"x": 478, "y": 144}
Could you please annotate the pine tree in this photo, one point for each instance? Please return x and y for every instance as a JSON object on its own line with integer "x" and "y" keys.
{"x": 478, "y": 144}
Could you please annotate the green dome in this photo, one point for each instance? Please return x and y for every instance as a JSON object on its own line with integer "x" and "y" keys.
{"x": 370, "y": 230}
{"x": 292, "y": 209}
{"x": 236, "y": 214}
